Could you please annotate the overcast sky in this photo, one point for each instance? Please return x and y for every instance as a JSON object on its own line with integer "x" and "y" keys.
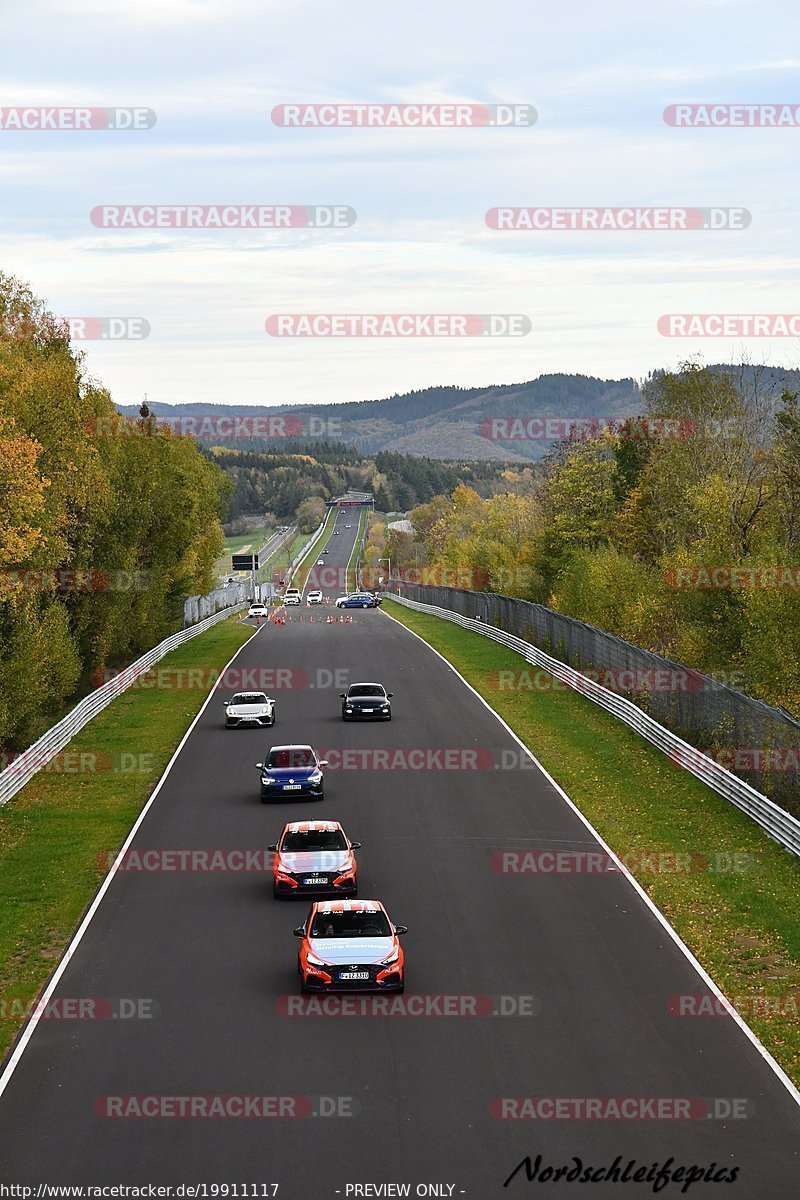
{"x": 599, "y": 77}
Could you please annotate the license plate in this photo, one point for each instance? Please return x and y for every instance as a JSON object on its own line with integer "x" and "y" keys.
{"x": 354, "y": 974}
{"x": 368, "y": 710}
{"x": 315, "y": 879}
{"x": 292, "y": 787}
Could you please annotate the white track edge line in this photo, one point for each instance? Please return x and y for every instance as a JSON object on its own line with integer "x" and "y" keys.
{"x": 77, "y": 937}
{"x": 677, "y": 939}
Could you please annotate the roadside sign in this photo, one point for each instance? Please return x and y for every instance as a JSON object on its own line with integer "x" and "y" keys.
{"x": 244, "y": 562}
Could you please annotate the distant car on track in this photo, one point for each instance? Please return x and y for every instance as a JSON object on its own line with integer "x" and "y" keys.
{"x": 290, "y": 772}
{"x": 249, "y": 708}
{"x": 291, "y": 596}
{"x": 350, "y": 945}
{"x": 314, "y": 857}
{"x": 257, "y": 609}
{"x": 366, "y": 702}
{"x": 314, "y": 597}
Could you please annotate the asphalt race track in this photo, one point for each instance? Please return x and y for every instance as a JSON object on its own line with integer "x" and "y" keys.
{"x": 411, "y": 1095}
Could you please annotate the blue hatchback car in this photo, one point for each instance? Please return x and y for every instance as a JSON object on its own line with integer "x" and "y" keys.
{"x": 358, "y": 600}
{"x": 291, "y": 771}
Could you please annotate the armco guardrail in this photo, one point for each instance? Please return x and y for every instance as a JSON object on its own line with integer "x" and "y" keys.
{"x": 49, "y": 744}
{"x": 780, "y": 825}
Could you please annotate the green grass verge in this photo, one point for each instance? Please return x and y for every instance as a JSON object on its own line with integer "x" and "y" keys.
{"x": 742, "y": 924}
{"x": 56, "y": 832}
{"x": 254, "y": 539}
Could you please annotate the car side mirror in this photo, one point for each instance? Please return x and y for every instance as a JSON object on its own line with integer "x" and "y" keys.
{"x": 299, "y": 931}
{"x": 323, "y": 762}
{"x": 400, "y": 929}
{"x": 355, "y": 845}
{"x": 342, "y": 695}
{"x": 389, "y": 695}
{"x": 259, "y": 766}
{"x": 272, "y": 848}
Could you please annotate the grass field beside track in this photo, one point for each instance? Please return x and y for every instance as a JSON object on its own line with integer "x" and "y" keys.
{"x": 743, "y": 924}
{"x": 56, "y": 832}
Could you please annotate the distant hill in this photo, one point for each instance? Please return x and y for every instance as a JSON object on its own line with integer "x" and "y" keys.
{"x": 449, "y": 422}
{"x": 437, "y": 422}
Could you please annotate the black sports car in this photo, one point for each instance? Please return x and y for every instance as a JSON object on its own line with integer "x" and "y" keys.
{"x": 366, "y": 702}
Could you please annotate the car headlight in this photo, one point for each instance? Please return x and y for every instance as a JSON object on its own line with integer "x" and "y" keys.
{"x": 347, "y": 708}
{"x": 313, "y": 960}
{"x": 387, "y": 962}
{"x": 267, "y": 779}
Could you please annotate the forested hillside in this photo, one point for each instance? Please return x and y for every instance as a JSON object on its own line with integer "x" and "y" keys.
{"x": 278, "y": 482}
{"x": 688, "y": 544}
{"x": 104, "y": 527}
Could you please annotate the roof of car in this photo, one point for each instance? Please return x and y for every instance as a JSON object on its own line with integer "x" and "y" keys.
{"x": 311, "y": 827}
{"x": 333, "y": 906}
{"x": 291, "y": 746}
